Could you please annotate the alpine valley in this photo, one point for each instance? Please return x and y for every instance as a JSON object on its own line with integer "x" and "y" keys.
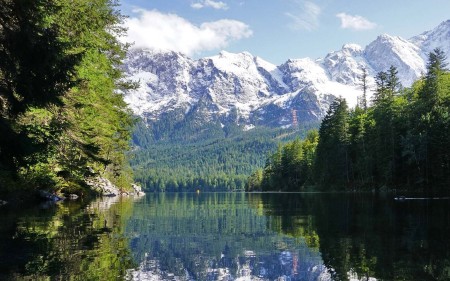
{"x": 193, "y": 103}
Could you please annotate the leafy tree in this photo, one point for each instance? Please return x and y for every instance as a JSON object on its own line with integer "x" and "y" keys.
{"x": 359, "y": 124}
{"x": 36, "y": 69}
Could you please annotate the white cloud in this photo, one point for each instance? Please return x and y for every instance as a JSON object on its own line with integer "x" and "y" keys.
{"x": 307, "y": 17}
{"x": 219, "y": 5}
{"x": 197, "y": 5}
{"x": 355, "y": 22}
{"x": 156, "y": 30}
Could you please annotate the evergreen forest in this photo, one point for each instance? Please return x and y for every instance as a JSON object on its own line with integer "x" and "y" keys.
{"x": 62, "y": 118}
{"x": 222, "y": 160}
{"x": 399, "y": 140}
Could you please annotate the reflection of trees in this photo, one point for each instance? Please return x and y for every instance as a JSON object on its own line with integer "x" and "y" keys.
{"x": 367, "y": 235}
{"x": 67, "y": 241}
{"x": 194, "y": 233}
{"x": 213, "y": 236}
{"x": 282, "y": 218}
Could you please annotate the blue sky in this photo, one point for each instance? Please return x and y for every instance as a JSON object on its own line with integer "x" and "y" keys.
{"x": 275, "y": 30}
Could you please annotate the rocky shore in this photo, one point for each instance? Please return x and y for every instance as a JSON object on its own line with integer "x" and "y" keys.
{"x": 98, "y": 184}
{"x": 106, "y": 188}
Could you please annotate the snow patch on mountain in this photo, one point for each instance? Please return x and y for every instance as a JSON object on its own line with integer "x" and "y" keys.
{"x": 432, "y": 39}
{"x": 345, "y": 66}
{"x": 402, "y": 54}
{"x": 261, "y": 93}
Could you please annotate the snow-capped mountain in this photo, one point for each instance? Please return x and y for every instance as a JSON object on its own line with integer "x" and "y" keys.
{"x": 247, "y": 90}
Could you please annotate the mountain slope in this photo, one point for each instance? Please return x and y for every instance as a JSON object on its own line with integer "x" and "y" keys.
{"x": 246, "y": 91}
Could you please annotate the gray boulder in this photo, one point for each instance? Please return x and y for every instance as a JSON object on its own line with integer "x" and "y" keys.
{"x": 103, "y": 186}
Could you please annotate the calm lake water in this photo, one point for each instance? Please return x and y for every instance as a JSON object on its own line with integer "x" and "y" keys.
{"x": 228, "y": 236}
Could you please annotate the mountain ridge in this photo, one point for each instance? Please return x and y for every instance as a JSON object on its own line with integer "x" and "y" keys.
{"x": 245, "y": 90}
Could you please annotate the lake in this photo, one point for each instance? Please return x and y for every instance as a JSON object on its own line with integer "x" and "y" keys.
{"x": 228, "y": 236}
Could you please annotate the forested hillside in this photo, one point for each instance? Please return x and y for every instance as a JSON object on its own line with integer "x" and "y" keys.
{"x": 400, "y": 141}
{"x": 61, "y": 117}
{"x": 217, "y": 159}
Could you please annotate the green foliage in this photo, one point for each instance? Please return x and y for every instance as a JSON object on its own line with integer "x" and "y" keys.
{"x": 254, "y": 181}
{"x": 332, "y": 165}
{"x": 217, "y": 164}
{"x": 67, "y": 242}
{"x": 184, "y": 230}
{"x": 60, "y": 111}
{"x": 400, "y": 141}
{"x": 289, "y": 168}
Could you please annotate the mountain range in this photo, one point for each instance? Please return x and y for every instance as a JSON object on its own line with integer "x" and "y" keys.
{"x": 247, "y": 91}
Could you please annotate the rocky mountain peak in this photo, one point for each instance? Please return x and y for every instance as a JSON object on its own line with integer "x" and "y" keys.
{"x": 257, "y": 92}
{"x": 435, "y": 38}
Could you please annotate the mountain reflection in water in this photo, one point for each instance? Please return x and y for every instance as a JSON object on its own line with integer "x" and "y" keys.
{"x": 229, "y": 236}
{"x": 216, "y": 236}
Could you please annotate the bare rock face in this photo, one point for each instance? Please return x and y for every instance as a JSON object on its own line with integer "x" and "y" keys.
{"x": 103, "y": 186}
{"x": 137, "y": 190}
{"x": 106, "y": 188}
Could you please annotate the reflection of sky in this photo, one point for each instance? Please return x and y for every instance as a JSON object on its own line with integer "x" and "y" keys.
{"x": 220, "y": 238}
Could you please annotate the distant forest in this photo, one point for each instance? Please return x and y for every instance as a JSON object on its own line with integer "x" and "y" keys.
{"x": 218, "y": 161}
{"x": 400, "y": 141}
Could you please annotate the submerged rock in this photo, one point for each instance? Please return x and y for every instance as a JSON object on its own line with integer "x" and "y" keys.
{"x": 3, "y": 203}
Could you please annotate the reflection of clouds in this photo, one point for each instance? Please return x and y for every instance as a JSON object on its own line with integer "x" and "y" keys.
{"x": 248, "y": 266}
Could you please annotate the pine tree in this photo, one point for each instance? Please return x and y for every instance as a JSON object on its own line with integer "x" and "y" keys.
{"x": 365, "y": 87}
{"x": 332, "y": 165}
{"x": 393, "y": 82}
{"x": 432, "y": 111}
{"x": 383, "y": 114}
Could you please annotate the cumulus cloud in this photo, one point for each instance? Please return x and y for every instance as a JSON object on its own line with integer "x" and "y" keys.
{"x": 219, "y": 5}
{"x": 307, "y": 17}
{"x": 355, "y": 22}
{"x": 156, "y": 30}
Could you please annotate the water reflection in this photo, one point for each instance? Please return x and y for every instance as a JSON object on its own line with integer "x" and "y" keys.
{"x": 229, "y": 236}
{"x": 289, "y": 237}
{"x": 72, "y": 240}
{"x": 216, "y": 236}
{"x": 370, "y": 237}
